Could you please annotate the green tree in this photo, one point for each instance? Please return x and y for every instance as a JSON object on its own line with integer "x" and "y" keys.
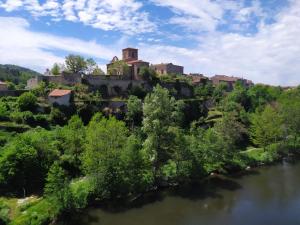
{"x": 260, "y": 95}
{"x": 90, "y": 65}
{"x": 137, "y": 166}
{"x": 105, "y": 142}
{"x": 149, "y": 74}
{"x": 119, "y": 68}
{"x": 160, "y": 113}
{"x": 72, "y": 138}
{"x": 220, "y": 91}
{"x": 181, "y": 155}
{"x": 25, "y": 161}
{"x": 231, "y": 130}
{"x": 57, "y": 186}
{"x": 57, "y": 116}
{"x": 98, "y": 71}
{"x": 3, "y": 110}
{"x": 266, "y": 127}
{"x": 239, "y": 96}
{"x": 203, "y": 91}
{"x": 75, "y": 63}
{"x": 208, "y": 150}
{"x": 55, "y": 69}
{"x": 134, "y": 110}
{"x": 290, "y": 111}
{"x": 27, "y": 101}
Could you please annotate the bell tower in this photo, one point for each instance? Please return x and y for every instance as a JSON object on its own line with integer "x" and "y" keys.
{"x": 130, "y": 54}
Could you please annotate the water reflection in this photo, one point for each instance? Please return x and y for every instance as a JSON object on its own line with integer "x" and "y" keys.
{"x": 265, "y": 196}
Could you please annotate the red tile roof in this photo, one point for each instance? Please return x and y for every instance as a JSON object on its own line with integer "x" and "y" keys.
{"x": 59, "y": 93}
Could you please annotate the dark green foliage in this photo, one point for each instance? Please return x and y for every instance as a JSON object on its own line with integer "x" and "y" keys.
{"x": 24, "y": 162}
{"x": 119, "y": 67}
{"x": 138, "y": 91}
{"x": 16, "y": 74}
{"x": 72, "y": 138}
{"x": 55, "y": 69}
{"x": 134, "y": 111}
{"x": 4, "y": 113}
{"x": 260, "y": 95}
{"x": 75, "y": 63}
{"x": 149, "y": 75}
{"x": 165, "y": 141}
{"x": 57, "y": 186}
{"x": 27, "y": 101}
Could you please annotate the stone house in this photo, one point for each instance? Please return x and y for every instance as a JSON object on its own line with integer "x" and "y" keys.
{"x": 64, "y": 79}
{"x": 198, "y": 79}
{"x": 168, "y": 68}
{"x": 60, "y": 97}
{"x": 230, "y": 81}
{"x": 3, "y": 86}
{"x": 131, "y": 58}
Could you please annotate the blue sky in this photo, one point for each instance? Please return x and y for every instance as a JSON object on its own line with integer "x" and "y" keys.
{"x": 255, "y": 39}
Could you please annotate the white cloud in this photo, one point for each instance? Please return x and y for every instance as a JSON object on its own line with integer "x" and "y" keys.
{"x": 19, "y": 45}
{"x": 11, "y": 5}
{"x": 203, "y": 15}
{"x": 271, "y": 56}
{"x": 121, "y": 15}
{"x": 207, "y": 15}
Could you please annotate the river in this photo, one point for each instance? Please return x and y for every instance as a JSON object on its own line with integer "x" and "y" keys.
{"x": 264, "y": 196}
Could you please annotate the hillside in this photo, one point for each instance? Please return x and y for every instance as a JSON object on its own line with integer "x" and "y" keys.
{"x": 16, "y": 74}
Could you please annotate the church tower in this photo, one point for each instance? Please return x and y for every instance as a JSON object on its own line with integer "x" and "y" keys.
{"x": 130, "y": 54}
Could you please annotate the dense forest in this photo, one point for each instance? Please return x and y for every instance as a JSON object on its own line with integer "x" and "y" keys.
{"x": 67, "y": 158}
{"x": 16, "y": 76}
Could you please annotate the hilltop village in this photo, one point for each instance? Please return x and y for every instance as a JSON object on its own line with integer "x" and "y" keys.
{"x": 129, "y": 73}
{"x": 76, "y": 137}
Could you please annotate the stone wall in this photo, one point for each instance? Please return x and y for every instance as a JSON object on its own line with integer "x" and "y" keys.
{"x": 167, "y": 68}
{"x": 183, "y": 89}
{"x": 114, "y": 87}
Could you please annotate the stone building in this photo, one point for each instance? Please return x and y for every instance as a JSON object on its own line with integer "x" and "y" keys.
{"x": 168, "y": 68}
{"x": 60, "y": 97}
{"x": 230, "y": 81}
{"x": 198, "y": 79}
{"x": 64, "y": 79}
{"x": 131, "y": 58}
{"x": 3, "y": 86}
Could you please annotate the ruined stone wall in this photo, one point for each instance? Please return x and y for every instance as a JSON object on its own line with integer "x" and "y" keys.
{"x": 183, "y": 89}
{"x": 115, "y": 87}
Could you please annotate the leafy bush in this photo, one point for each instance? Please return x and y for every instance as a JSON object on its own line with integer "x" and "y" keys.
{"x": 4, "y": 212}
{"x": 3, "y": 111}
{"x": 43, "y": 212}
{"x": 260, "y": 155}
{"x": 27, "y": 101}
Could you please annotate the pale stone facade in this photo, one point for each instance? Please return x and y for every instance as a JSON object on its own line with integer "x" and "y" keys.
{"x": 3, "y": 86}
{"x": 168, "y": 68}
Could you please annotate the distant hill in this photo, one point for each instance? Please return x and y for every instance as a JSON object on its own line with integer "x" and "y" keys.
{"x": 16, "y": 74}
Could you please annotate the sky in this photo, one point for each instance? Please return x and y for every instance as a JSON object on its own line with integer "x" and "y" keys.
{"x": 253, "y": 39}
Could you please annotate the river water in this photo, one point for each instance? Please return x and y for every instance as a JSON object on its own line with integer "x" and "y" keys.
{"x": 265, "y": 196}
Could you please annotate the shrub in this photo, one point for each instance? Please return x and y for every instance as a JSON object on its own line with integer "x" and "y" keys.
{"x": 27, "y": 101}
{"x": 3, "y": 111}
{"x": 4, "y": 212}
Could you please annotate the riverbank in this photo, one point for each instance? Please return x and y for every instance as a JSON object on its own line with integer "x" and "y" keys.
{"x": 266, "y": 195}
{"x": 256, "y": 157}
{"x": 43, "y": 211}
